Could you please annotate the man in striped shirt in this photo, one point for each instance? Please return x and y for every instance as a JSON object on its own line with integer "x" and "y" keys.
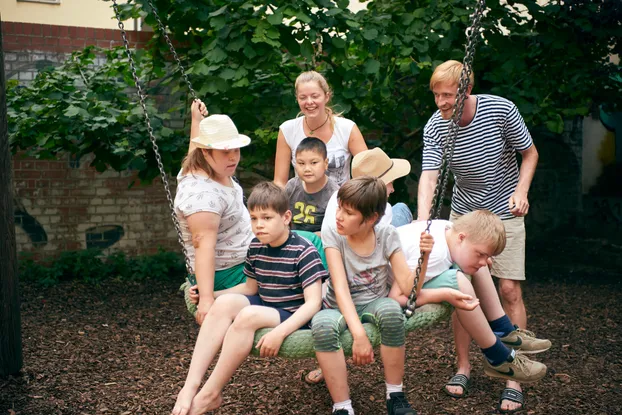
{"x": 487, "y": 176}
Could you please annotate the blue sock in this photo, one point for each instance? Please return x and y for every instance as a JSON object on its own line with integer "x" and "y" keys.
{"x": 497, "y": 353}
{"x": 502, "y": 326}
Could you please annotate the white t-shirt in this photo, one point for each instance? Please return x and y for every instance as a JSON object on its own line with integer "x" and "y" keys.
{"x": 440, "y": 258}
{"x": 331, "y": 213}
{"x": 337, "y": 147}
{"x": 197, "y": 193}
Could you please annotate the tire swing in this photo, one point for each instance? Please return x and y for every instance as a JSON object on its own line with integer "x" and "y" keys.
{"x": 300, "y": 343}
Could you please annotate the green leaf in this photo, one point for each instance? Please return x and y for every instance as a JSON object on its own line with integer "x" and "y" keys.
{"x": 306, "y": 49}
{"x": 372, "y": 66}
{"x": 71, "y": 111}
{"x": 407, "y": 19}
{"x": 218, "y": 12}
{"x": 165, "y": 132}
{"x": 338, "y": 42}
{"x": 370, "y": 34}
{"x": 216, "y": 55}
{"x": 303, "y": 17}
{"x": 556, "y": 125}
{"x": 227, "y": 74}
{"x": 276, "y": 18}
{"x": 419, "y": 13}
{"x": 236, "y": 44}
{"x": 218, "y": 22}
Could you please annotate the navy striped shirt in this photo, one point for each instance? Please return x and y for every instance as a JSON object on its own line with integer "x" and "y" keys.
{"x": 283, "y": 272}
{"x": 484, "y": 161}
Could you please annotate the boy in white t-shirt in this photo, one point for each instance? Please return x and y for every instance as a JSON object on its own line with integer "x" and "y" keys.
{"x": 466, "y": 247}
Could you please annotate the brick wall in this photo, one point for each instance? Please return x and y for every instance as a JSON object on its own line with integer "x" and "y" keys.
{"x": 28, "y": 48}
{"x": 64, "y": 204}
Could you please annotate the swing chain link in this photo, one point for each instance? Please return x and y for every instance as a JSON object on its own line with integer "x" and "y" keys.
{"x": 156, "y": 150}
{"x": 180, "y": 66}
{"x": 473, "y": 35}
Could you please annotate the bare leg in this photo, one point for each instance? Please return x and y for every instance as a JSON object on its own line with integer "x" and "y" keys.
{"x": 462, "y": 339}
{"x": 487, "y": 294}
{"x": 210, "y": 338}
{"x": 474, "y": 322}
{"x": 333, "y": 365}
{"x": 236, "y": 347}
{"x": 512, "y": 296}
{"x": 467, "y": 325}
{"x": 393, "y": 359}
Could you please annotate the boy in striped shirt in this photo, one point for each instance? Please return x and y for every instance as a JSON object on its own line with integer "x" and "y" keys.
{"x": 283, "y": 290}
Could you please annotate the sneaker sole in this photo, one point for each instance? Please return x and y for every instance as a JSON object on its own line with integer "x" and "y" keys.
{"x": 530, "y": 351}
{"x": 495, "y": 374}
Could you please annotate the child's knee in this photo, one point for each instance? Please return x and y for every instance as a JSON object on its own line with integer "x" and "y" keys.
{"x": 390, "y": 319}
{"x": 325, "y": 332}
{"x": 464, "y": 284}
{"x": 510, "y": 291}
{"x": 246, "y": 319}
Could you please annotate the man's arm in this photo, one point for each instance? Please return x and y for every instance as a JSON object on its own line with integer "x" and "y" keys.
{"x": 427, "y": 183}
{"x": 519, "y": 202}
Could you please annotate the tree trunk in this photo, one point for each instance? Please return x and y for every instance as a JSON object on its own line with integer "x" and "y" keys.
{"x": 10, "y": 324}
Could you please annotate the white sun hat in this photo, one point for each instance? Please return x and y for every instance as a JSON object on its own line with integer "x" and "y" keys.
{"x": 220, "y": 133}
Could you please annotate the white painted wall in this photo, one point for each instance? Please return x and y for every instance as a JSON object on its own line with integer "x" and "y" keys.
{"x": 81, "y": 13}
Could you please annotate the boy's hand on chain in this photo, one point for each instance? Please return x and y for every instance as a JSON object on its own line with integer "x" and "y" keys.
{"x": 426, "y": 243}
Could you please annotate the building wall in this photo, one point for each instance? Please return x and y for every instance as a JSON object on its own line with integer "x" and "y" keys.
{"x": 80, "y": 13}
{"x": 30, "y": 47}
{"x": 64, "y": 204}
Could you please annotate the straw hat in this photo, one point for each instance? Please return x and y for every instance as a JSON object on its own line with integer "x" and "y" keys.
{"x": 376, "y": 163}
{"x": 219, "y": 132}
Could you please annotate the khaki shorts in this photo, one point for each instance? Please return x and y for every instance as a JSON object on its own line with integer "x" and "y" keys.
{"x": 510, "y": 264}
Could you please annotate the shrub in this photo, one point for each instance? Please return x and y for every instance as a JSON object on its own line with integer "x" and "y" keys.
{"x": 92, "y": 266}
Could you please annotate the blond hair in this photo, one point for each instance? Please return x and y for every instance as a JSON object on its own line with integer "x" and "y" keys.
{"x": 482, "y": 227}
{"x": 366, "y": 194}
{"x": 195, "y": 161}
{"x": 449, "y": 72}
{"x": 313, "y": 76}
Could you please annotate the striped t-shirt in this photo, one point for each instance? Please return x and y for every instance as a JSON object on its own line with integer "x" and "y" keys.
{"x": 283, "y": 272}
{"x": 484, "y": 161}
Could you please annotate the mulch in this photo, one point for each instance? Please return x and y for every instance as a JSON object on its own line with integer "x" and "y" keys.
{"x": 124, "y": 348}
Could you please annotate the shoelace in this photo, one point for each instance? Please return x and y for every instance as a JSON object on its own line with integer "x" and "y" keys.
{"x": 521, "y": 363}
{"x": 400, "y": 402}
{"x": 527, "y": 332}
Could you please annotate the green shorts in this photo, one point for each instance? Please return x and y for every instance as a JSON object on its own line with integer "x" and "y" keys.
{"x": 446, "y": 279}
{"x": 225, "y": 278}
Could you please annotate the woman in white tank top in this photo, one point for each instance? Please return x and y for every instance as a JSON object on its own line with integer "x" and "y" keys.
{"x": 342, "y": 137}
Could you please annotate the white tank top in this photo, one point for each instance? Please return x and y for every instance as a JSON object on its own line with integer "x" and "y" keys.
{"x": 337, "y": 147}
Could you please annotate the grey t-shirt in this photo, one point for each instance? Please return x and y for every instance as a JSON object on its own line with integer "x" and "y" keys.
{"x": 308, "y": 208}
{"x": 369, "y": 277}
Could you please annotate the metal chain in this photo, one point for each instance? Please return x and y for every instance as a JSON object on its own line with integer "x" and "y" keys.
{"x": 180, "y": 66}
{"x": 473, "y": 33}
{"x": 156, "y": 150}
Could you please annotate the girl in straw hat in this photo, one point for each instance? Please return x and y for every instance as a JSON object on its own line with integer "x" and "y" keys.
{"x": 209, "y": 205}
